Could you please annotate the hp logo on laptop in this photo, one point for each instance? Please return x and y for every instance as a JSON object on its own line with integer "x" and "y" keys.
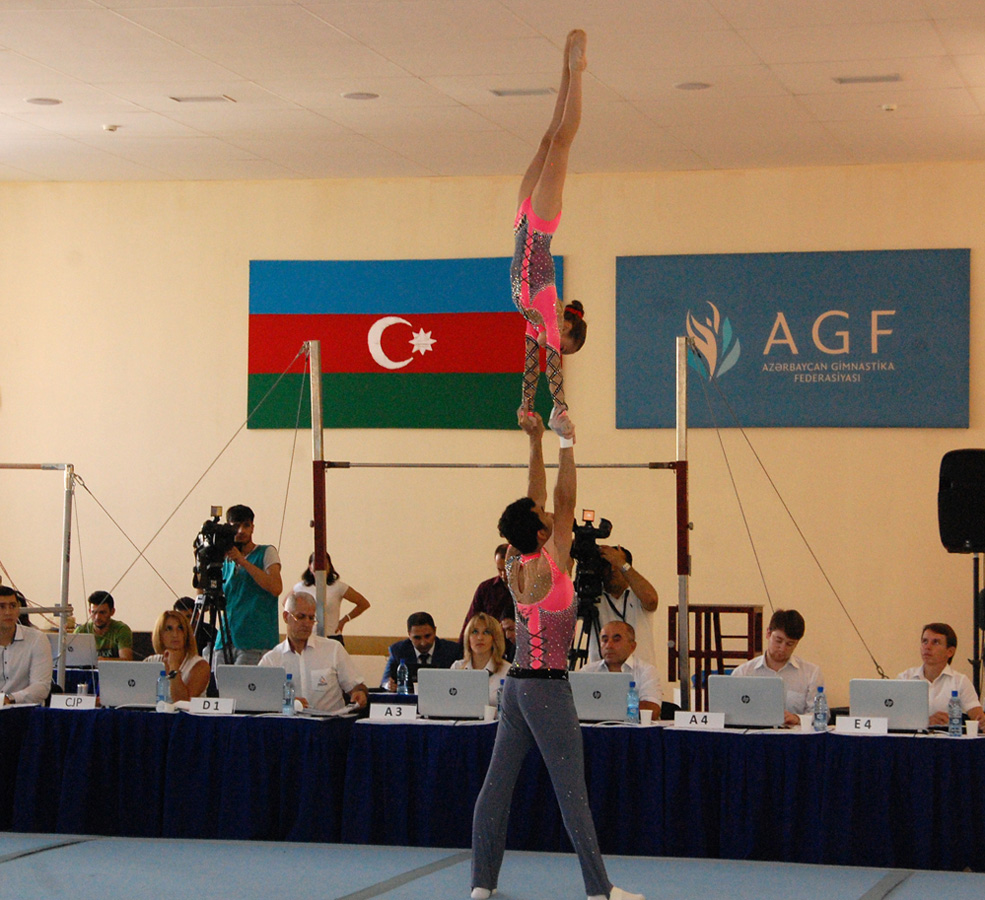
{"x": 596, "y": 695}
{"x": 251, "y": 686}
{"x": 131, "y": 682}
{"x": 453, "y": 691}
{"x": 745, "y": 698}
{"x": 888, "y": 701}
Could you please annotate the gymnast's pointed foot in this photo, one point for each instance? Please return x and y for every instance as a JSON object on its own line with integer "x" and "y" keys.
{"x": 560, "y": 423}
{"x": 576, "y": 48}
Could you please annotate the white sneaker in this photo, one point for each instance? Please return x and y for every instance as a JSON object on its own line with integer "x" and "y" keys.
{"x": 482, "y": 893}
{"x": 620, "y": 894}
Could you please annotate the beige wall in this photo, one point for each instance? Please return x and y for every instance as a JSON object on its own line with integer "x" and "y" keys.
{"x": 123, "y": 344}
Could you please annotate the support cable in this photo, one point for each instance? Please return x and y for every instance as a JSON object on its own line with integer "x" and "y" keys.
{"x": 252, "y": 412}
{"x": 793, "y": 520}
{"x": 294, "y": 445}
{"x": 735, "y": 486}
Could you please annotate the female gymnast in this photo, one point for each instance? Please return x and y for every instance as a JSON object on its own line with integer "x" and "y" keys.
{"x": 558, "y": 329}
{"x": 537, "y": 707}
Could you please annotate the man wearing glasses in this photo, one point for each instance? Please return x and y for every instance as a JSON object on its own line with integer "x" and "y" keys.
{"x": 25, "y": 656}
{"x": 320, "y": 668}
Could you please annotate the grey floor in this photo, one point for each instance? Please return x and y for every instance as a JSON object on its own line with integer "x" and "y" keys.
{"x": 36, "y": 866}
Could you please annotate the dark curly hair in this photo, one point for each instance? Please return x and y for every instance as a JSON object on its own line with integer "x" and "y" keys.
{"x": 520, "y": 525}
{"x": 574, "y": 314}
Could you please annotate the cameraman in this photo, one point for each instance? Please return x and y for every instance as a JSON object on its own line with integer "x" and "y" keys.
{"x": 251, "y": 582}
{"x": 628, "y": 597}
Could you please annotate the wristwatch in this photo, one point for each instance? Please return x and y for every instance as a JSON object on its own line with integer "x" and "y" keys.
{"x": 173, "y": 674}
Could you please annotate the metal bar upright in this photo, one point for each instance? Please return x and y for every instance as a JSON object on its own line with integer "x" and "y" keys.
{"x": 683, "y": 530}
{"x": 318, "y": 513}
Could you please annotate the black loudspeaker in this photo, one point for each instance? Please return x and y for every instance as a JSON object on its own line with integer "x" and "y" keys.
{"x": 961, "y": 501}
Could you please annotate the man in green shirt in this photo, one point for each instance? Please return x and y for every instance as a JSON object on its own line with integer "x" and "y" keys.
{"x": 114, "y": 640}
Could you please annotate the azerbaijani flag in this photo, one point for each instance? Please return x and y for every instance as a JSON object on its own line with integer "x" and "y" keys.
{"x": 433, "y": 343}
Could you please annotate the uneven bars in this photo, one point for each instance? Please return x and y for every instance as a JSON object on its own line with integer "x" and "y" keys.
{"x": 343, "y": 464}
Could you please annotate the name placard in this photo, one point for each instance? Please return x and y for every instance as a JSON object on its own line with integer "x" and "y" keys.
{"x": 392, "y": 712}
{"x": 212, "y": 706}
{"x": 861, "y": 725}
{"x": 73, "y": 701}
{"x": 699, "y": 720}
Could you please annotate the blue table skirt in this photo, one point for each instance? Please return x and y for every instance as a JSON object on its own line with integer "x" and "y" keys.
{"x": 13, "y": 728}
{"x": 416, "y": 785}
{"x": 131, "y": 772}
{"x": 907, "y": 802}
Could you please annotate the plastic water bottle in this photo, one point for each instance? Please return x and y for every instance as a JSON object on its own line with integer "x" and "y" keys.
{"x": 954, "y": 715}
{"x": 163, "y": 688}
{"x": 633, "y": 705}
{"x": 820, "y": 710}
{"x": 288, "y": 709}
{"x": 499, "y": 697}
{"x": 403, "y": 679}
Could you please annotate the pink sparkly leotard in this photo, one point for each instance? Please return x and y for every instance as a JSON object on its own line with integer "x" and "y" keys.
{"x": 535, "y": 295}
{"x": 544, "y": 629}
{"x": 532, "y": 274}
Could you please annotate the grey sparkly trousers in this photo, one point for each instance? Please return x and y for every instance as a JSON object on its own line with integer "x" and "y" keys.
{"x": 541, "y": 712}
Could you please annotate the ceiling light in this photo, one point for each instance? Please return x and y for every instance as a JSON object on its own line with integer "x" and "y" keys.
{"x": 360, "y": 95}
{"x": 204, "y": 98}
{"x": 867, "y": 79}
{"x": 43, "y": 101}
{"x": 521, "y": 92}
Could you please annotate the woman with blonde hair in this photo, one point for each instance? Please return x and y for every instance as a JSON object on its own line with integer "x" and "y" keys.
{"x": 177, "y": 653}
{"x": 484, "y": 649}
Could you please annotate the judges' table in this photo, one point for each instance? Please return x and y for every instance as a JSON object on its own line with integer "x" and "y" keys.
{"x": 131, "y": 772}
{"x": 909, "y": 802}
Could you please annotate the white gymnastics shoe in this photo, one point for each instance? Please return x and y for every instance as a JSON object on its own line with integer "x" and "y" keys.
{"x": 482, "y": 893}
{"x": 620, "y": 894}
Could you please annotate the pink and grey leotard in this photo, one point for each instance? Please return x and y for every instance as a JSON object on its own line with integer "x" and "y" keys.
{"x": 544, "y": 630}
{"x": 532, "y": 274}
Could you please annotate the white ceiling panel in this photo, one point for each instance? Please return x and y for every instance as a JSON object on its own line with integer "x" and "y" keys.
{"x": 435, "y": 64}
{"x": 885, "y": 40}
{"x": 553, "y": 17}
{"x": 99, "y": 45}
{"x": 378, "y": 22}
{"x": 744, "y": 14}
{"x": 916, "y": 74}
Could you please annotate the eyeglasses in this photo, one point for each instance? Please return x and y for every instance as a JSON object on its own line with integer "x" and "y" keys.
{"x": 301, "y": 617}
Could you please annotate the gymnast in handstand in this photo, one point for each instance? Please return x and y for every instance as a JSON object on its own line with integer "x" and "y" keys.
{"x": 559, "y": 329}
{"x": 537, "y": 709}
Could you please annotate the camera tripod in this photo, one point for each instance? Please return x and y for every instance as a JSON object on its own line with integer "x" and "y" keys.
{"x": 209, "y": 621}
{"x": 591, "y": 630}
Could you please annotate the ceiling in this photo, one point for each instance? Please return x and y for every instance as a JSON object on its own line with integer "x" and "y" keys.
{"x": 278, "y": 70}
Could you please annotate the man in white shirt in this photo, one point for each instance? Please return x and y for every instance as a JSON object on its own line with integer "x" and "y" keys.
{"x": 618, "y": 640}
{"x": 319, "y": 667}
{"x": 628, "y": 598}
{"x": 801, "y": 679}
{"x": 938, "y": 644}
{"x": 25, "y": 656}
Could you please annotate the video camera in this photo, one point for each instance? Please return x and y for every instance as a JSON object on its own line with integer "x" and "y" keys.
{"x": 212, "y": 544}
{"x": 592, "y": 568}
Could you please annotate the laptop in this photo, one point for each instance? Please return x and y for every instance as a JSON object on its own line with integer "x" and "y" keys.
{"x": 748, "y": 701}
{"x": 452, "y": 693}
{"x": 125, "y": 683}
{"x": 80, "y": 650}
{"x": 600, "y": 696}
{"x": 258, "y": 689}
{"x": 906, "y": 704}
